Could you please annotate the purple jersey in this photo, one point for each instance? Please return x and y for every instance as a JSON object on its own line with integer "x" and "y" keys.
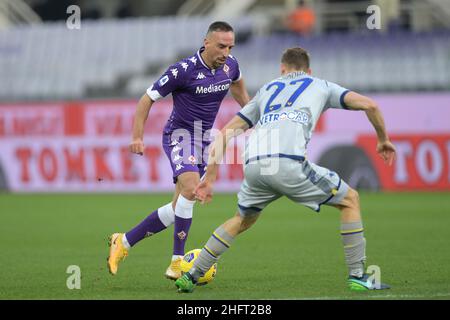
{"x": 197, "y": 91}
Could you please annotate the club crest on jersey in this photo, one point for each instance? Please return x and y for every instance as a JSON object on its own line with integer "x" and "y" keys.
{"x": 226, "y": 69}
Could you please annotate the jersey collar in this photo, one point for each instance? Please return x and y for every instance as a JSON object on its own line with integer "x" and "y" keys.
{"x": 201, "y": 59}
{"x": 213, "y": 71}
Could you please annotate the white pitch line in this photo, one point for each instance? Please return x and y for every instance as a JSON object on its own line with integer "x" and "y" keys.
{"x": 404, "y": 296}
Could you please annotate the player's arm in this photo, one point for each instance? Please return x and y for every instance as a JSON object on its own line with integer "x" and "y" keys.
{"x": 235, "y": 127}
{"x": 355, "y": 101}
{"x": 239, "y": 92}
{"x": 143, "y": 108}
{"x": 165, "y": 85}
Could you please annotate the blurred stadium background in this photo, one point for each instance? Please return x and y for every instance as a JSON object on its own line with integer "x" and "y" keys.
{"x": 67, "y": 100}
{"x": 67, "y": 96}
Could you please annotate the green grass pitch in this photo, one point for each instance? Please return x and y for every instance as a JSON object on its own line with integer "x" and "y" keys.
{"x": 290, "y": 253}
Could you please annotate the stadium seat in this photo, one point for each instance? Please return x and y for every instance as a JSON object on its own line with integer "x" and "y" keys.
{"x": 49, "y": 61}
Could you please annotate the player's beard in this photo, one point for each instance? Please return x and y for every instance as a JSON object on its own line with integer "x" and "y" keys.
{"x": 218, "y": 63}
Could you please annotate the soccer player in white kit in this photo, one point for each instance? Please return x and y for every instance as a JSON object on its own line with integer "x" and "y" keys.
{"x": 283, "y": 114}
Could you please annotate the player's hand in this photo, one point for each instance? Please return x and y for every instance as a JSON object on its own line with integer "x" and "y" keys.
{"x": 136, "y": 146}
{"x": 203, "y": 192}
{"x": 386, "y": 150}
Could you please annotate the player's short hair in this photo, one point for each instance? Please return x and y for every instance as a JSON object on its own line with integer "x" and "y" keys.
{"x": 219, "y": 26}
{"x": 296, "y": 58}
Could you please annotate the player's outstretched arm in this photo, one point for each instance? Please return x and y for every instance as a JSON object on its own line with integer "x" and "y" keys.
{"x": 235, "y": 127}
{"x": 239, "y": 92}
{"x": 385, "y": 147}
{"x": 140, "y": 116}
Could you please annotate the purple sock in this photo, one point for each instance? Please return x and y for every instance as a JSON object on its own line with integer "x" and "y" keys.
{"x": 149, "y": 226}
{"x": 180, "y": 234}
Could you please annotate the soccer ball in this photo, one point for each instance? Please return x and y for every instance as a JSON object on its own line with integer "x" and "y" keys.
{"x": 188, "y": 262}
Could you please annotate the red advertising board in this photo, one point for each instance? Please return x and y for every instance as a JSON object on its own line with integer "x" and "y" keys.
{"x": 82, "y": 146}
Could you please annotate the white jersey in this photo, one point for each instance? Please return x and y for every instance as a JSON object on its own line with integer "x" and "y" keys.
{"x": 284, "y": 114}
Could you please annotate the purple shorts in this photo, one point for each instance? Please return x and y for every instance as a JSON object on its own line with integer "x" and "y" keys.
{"x": 185, "y": 155}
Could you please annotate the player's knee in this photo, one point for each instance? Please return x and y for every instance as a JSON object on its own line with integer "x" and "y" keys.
{"x": 353, "y": 198}
{"x": 187, "y": 187}
{"x": 188, "y": 192}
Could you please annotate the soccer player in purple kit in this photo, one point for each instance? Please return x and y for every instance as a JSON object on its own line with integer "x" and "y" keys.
{"x": 198, "y": 85}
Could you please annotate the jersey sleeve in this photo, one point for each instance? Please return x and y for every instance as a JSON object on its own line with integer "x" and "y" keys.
{"x": 173, "y": 79}
{"x": 238, "y": 74}
{"x": 251, "y": 113}
{"x": 336, "y": 95}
